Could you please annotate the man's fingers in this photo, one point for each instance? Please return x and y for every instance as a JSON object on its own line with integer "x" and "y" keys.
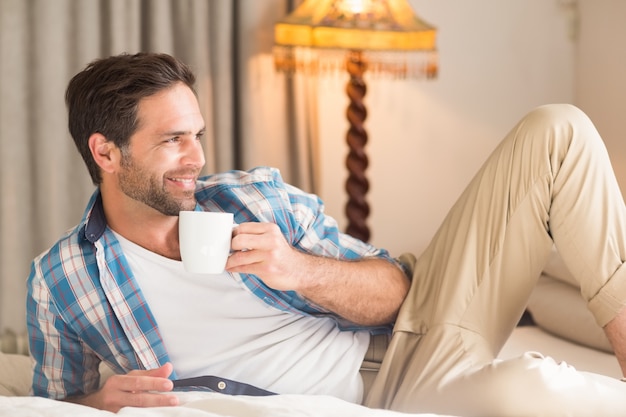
{"x": 139, "y": 383}
{"x": 161, "y": 372}
{"x": 252, "y": 228}
{"x": 115, "y": 400}
{"x": 263, "y": 236}
{"x": 144, "y": 380}
{"x": 134, "y": 391}
{"x": 146, "y": 383}
{"x": 148, "y": 399}
{"x": 243, "y": 258}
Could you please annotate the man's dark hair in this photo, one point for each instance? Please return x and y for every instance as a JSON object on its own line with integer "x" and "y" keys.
{"x": 104, "y": 97}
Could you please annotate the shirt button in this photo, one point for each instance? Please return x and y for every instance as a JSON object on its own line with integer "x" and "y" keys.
{"x": 221, "y": 385}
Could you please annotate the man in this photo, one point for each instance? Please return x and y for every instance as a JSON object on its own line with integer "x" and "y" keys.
{"x": 300, "y": 310}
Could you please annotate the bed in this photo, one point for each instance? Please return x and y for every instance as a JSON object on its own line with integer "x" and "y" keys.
{"x": 560, "y": 327}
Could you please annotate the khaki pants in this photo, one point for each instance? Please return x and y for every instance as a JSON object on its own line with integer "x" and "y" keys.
{"x": 549, "y": 182}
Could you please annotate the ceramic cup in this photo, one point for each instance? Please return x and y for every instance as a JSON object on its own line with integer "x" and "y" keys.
{"x": 205, "y": 240}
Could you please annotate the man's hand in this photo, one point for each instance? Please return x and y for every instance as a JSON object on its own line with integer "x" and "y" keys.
{"x": 261, "y": 249}
{"x": 135, "y": 389}
{"x": 368, "y": 291}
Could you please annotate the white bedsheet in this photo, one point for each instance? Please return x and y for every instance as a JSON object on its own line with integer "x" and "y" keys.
{"x": 204, "y": 405}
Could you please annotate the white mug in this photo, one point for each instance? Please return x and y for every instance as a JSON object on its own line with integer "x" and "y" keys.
{"x": 204, "y": 239}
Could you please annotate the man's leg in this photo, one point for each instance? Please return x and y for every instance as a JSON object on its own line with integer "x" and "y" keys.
{"x": 549, "y": 182}
{"x": 616, "y": 333}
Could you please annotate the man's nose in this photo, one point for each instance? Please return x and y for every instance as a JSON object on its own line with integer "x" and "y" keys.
{"x": 194, "y": 153}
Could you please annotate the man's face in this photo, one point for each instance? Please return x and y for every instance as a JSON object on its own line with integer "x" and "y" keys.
{"x": 165, "y": 156}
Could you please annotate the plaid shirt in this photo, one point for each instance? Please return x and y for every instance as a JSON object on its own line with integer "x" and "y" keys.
{"x": 84, "y": 305}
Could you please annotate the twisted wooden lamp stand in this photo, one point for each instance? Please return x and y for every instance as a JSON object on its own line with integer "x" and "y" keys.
{"x": 357, "y": 209}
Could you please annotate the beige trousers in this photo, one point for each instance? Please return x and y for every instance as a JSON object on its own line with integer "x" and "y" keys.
{"x": 549, "y": 182}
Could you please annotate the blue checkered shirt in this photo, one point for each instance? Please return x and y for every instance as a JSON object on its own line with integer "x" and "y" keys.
{"x": 84, "y": 305}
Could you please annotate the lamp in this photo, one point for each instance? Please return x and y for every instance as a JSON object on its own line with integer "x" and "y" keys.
{"x": 380, "y": 36}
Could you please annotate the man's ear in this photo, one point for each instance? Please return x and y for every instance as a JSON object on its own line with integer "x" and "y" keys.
{"x": 104, "y": 152}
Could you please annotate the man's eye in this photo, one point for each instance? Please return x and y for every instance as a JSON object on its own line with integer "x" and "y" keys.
{"x": 172, "y": 140}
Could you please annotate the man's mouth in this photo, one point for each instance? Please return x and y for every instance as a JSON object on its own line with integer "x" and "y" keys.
{"x": 184, "y": 180}
{"x": 188, "y": 183}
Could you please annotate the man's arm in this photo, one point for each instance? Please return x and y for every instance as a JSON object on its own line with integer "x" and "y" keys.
{"x": 367, "y": 292}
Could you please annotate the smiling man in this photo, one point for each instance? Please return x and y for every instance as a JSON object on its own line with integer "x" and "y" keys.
{"x": 114, "y": 289}
{"x": 303, "y": 308}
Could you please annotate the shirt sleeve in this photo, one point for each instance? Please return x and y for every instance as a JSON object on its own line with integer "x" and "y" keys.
{"x": 63, "y": 365}
{"x": 318, "y": 233}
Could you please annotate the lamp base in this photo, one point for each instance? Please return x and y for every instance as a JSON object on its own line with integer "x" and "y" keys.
{"x": 357, "y": 209}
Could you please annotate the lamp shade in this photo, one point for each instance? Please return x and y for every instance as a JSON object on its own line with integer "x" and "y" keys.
{"x": 369, "y": 25}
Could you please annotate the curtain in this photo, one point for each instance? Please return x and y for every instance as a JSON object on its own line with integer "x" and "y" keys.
{"x": 254, "y": 116}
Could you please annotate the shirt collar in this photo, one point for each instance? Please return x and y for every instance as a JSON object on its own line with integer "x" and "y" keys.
{"x": 95, "y": 221}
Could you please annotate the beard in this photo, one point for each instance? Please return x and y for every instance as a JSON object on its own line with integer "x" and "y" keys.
{"x": 141, "y": 185}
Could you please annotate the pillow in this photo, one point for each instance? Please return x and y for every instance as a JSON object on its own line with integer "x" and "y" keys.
{"x": 16, "y": 374}
{"x": 558, "y": 308}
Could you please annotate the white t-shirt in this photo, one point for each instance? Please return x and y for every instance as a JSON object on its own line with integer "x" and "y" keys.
{"x": 214, "y": 325}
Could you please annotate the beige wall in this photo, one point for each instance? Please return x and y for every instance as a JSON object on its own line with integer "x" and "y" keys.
{"x": 498, "y": 60}
{"x": 601, "y": 74}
